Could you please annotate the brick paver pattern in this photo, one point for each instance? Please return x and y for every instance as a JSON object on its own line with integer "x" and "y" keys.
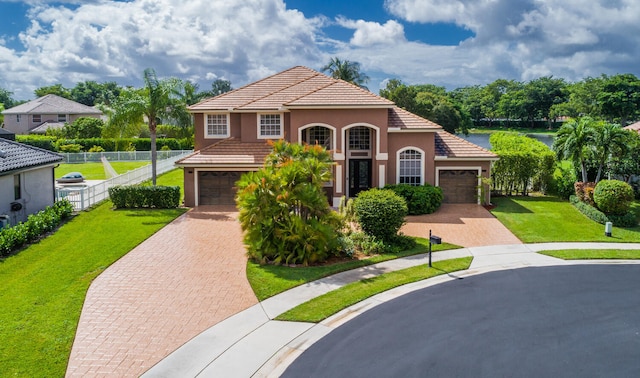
{"x": 178, "y": 283}
{"x": 466, "y": 225}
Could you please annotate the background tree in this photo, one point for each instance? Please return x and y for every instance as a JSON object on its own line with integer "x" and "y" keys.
{"x": 620, "y": 98}
{"x": 84, "y": 127}
{"x": 6, "y": 99}
{"x": 347, "y": 71}
{"x": 156, "y": 101}
{"x": 91, "y": 93}
{"x": 610, "y": 141}
{"x": 573, "y": 141}
{"x": 218, "y": 87}
{"x": 56, "y": 89}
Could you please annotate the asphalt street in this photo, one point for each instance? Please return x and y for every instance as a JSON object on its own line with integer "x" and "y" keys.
{"x": 561, "y": 321}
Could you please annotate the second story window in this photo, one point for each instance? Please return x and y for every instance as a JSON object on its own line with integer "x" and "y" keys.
{"x": 37, "y": 118}
{"x": 62, "y": 118}
{"x": 18, "y": 118}
{"x": 269, "y": 126}
{"x": 216, "y": 126}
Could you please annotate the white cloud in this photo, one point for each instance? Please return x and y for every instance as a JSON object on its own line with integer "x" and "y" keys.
{"x": 369, "y": 33}
{"x": 107, "y": 40}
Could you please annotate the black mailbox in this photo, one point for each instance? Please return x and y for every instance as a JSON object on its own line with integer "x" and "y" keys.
{"x": 16, "y": 206}
{"x": 435, "y": 239}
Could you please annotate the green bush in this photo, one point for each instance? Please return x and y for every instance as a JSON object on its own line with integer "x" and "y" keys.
{"x": 380, "y": 213}
{"x": 44, "y": 142}
{"x": 423, "y": 199}
{"x": 563, "y": 183}
{"x": 625, "y": 220}
{"x": 12, "y": 238}
{"x": 138, "y": 196}
{"x": 70, "y": 148}
{"x": 96, "y": 149}
{"x": 613, "y": 197}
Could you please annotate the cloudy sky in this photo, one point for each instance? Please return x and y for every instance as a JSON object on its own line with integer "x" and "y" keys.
{"x": 452, "y": 43}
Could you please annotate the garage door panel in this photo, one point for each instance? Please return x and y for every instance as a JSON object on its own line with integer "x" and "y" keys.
{"x": 459, "y": 186}
{"x": 217, "y": 188}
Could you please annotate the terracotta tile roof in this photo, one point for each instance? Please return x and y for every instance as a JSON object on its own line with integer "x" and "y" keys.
{"x": 296, "y": 87}
{"x": 451, "y": 146}
{"x": 633, "y": 126}
{"x": 400, "y": 118}
{"x": 52, "y": 104}
{"x": 229, "y": 151}
{"x": 15, "y": 156}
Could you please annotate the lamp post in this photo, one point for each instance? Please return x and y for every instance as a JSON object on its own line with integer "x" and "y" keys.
{"x": 433, "y": 240}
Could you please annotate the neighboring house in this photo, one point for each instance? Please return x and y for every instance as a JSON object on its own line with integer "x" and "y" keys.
{"x": 373, "y": 142}
{"x": 48, "y": 111}
{"x": 27, "y": 183}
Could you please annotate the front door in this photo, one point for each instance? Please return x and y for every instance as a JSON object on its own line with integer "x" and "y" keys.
{"x": 359, "y": 176}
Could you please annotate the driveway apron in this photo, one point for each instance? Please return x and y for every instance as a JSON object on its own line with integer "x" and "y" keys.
{"x": 186, "y": 278}
{"x": 467, "y": 225}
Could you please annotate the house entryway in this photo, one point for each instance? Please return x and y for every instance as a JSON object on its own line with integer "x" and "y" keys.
{"x": 359, "y": 176}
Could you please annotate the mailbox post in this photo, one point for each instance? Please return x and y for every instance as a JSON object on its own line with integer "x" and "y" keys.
{"x": 433, "y": 240}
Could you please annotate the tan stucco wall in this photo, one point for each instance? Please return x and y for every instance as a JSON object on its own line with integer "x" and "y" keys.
{"x": 423, "y": 141}
{"x": 189, "y": 187}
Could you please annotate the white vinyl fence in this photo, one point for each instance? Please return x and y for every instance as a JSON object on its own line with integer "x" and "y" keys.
{"x": 83, "y": 196}
{"x": 96, "y": 157}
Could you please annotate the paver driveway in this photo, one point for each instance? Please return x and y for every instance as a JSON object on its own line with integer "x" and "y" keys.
{"x": 466, "y": 225}
{"x": 184, "y": 279}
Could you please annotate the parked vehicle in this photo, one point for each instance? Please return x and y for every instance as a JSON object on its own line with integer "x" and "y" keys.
{"x": 71, "y": 177}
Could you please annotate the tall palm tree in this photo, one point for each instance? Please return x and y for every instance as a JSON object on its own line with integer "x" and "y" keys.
{"x": 610, "y": 140}
{"x": 347, "y": 71}
{"x": 156, "y": 101}
{"x": 573, "y": 141}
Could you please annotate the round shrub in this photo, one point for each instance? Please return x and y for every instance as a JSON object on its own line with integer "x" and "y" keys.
{"x": 613, "y": 196}
{"x": 424, "y": 199}
{"x": 380, "y": 213}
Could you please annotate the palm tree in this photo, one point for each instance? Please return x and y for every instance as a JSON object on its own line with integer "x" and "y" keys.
{"x": 609, "y": 140}
{"x": 347, "y": 71}
{"x": 573, "y": 141}
{"x": 156, "y": 101}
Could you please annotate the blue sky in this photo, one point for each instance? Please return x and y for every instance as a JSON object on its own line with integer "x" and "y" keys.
{"x": 452, "y": 43}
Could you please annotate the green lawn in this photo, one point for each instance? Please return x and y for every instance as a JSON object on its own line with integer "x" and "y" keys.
{"x": 594, "y": 254}
{"x": 95, "y": 171}
{"x": 328, "y": 304}
{"x": 44, "y": 286}
{"x": 269, "y": 280}
{"x": 550, "y": 219}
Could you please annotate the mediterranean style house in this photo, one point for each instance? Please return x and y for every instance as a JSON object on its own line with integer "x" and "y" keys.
{"x": 27, "y": 183}
{"x": 373, "y": 142}
{"x": 50, "y": 111}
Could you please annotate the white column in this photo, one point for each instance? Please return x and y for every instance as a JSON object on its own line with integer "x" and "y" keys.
{"x": 339, "y": 178}
{"x": 381, "y": 176}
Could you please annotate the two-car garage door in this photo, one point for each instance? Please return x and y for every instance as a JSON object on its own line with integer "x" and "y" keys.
{"x": 459, "y": 185}
{"x": 217, "y": 188}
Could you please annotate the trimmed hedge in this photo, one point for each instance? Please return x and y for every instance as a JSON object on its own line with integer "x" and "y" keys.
{"x": 613, "y": 196}
{"x": 626, "y": 220}
{"x": 13, "y": 238}
{"x": 125, "y": 144}
{"x": 138, "y": 196}
{"x": 423, "y": 199}
{"x": 380, "y": 213}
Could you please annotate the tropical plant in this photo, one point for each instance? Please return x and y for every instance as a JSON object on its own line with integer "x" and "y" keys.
{"x": 347, "y": 71}
{"x": 573, "y": 141}
{"x": 283, "y": 209}
{"x": 156, "y": 101}
{"x": 610, "y": 141}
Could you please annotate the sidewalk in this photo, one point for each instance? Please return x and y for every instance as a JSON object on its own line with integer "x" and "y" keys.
{"x": 251, "y": 344}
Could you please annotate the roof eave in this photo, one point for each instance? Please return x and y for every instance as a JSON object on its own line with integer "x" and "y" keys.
{"x": 413, "y": 130}
{"x": 471, "y": 158}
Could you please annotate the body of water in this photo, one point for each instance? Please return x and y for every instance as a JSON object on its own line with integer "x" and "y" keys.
{"x": 482, "y": 140}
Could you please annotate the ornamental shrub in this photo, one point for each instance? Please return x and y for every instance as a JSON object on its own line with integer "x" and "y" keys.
{"x": 626, "y": 220}
{"x": 613, "y": 196}
{"x": 142, "y": 196}
{"x": 423, "y": 199}
{"x": 380, "y": 213}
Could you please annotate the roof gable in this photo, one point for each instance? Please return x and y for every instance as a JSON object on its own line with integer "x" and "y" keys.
{"x": 296, "y": 87}
{"x": 451, "y": 146}
{"x": 52, "y": 104}
{"x": 405, "y": 120}
{"x": 16, "y": 156}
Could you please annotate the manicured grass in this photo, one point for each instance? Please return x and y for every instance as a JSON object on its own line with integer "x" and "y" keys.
{"x": 269, "y": 280}
{"x": 95, "y": 171}
{"x": 594, "y": 254}
{"x": 44, "y": 286}
{"x": 328, "y": 304}
{"x": 550, "y": 219}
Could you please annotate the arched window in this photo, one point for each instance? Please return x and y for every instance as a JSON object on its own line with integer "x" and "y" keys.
{"x": 359, "y": 138}
{"x": 318, "y": 135}
{"x": 410, "y": 167}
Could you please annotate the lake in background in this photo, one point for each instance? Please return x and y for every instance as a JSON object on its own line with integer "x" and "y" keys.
{"x": 482, "y": 140}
